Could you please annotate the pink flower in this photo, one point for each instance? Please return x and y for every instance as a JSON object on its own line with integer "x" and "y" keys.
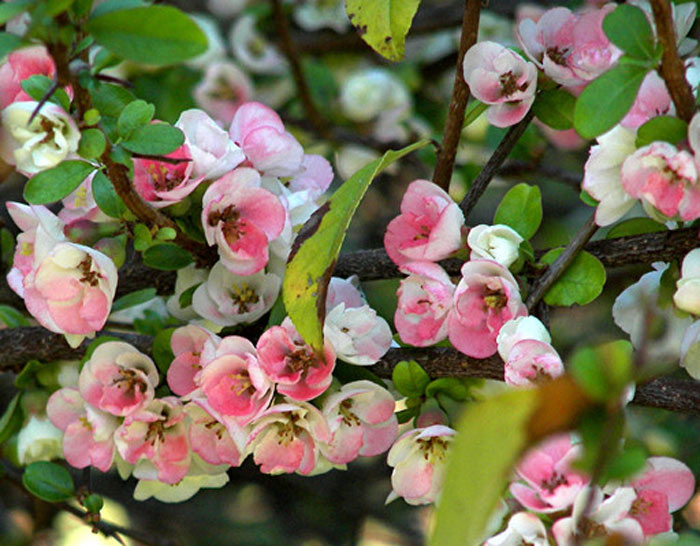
{"x": 155, "y": 439}
{"x": 652, "y": 100}
{"x": 551, "y": 483}
{"x": 210, "y": 438}
{"x": 259, "y": 131}
{"x": 161, "y": 183}
{"x": 486, "y": 298}
{"x": 428, "y": 228}
{"x": 362, "y": 420}
{"x": 292, "y": 364}
{"x": 87, "y": 432}
{"x": 223, "y": 90}
{"x": 424, "y": 301}
{"x": 241, "y": 219}
{"x": 21, "y": 65}
{"x": 286, "y": 438}
{"x": 314, "y": 177}
{"x": 664, "y": 178}
{"x": 499, "y": 77}
{"x": 232, "y": 379}
{"x": 665, "y": 486}
{"x": 118, "y": 378}
{"x": 530, "y": 362}
{"x": 187, "y": 344}
{"x": 419, "y": 459}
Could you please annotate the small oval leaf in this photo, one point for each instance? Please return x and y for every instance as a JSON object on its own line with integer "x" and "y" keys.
{"x": 54, "y": 184}
{"x": 48, "y": 481}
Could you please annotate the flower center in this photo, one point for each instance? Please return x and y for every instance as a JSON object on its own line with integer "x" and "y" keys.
{"x": 554, "y": 481}
{"x": 244, "y": 296}
{"x": 433, "y": 449}
{"x": 558, "y": 55}
{"x": 494, "y": 298}
{"x": 301, "y": 360}
{"x": 349, "y": 418}
{"x": 88, "y": 275}
{"x": 509, "y": 84}
{"x": 164, "y": 179}
{"x": 231, "y": 218}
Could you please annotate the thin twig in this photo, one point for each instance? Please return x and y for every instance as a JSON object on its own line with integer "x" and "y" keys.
{"x": 554, "y": 271}
{"x": 494, "y": 164}
{"x": 672, "y": 68}
{"x": 49, "y": 92}
{"x": 458, "y": 102}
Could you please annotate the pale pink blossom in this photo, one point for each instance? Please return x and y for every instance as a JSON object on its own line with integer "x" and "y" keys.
{"x": 292, "y": 364}
{"x": 485, "y": 299}
{"x": 210, "y": 438}
{"x": 530, "y": 362}
{"x": 358, "y": 335}
{"x": 419, "y": 459}
{"x": 87, "y": 431}
{"x": 232, "y": 379}
{"x": 687, "y": 294}
{"x": 241, "y": 219}
{"x": 154, "y": 438}
{"x": 501, "y": 78}
{"x": 314, "y": 177}
{"x": 551, "y": 484}
{"x": 19, "y": 66}
{"x": 519, "y": 329}
{"x": 162, "y": 183}
{"x": 118, "y": 379}
{"x": 665, "y": 178}
{"x": 345, "y": 291}
{"x": 259, "y": 131}
{"x": 213, "y": 153}
{"x": 523, "y": 528}
{"x": 428, "y": 228}
{"x": 665, "y": 486}
{"x": 286, "y": 438}
{"x": 223, "y": 89}
{"x": 187, "y": 344}
{"x": 362, "y": 421}
{"x": 600, "y": 517}
{"x": 652, "y": 100}
{"x": 424, "y": 301}
{"x": 498, "y": 242}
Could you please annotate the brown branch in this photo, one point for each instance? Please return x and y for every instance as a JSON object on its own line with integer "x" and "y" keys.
{"x": 290, "y": 52}
{"x": 672, "y": 68}
{"x": 458, "y": 103}
{"x": 494, "y": 164}
{"x": 559, "y": 266}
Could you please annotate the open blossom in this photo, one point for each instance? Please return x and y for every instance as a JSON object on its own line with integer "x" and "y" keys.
{"x": 210, "y": 438}
{"x": 523, "y": 528}
{"x": 362, "y": 421}
{"x": 154, "y": 438}
{"x": 424, "y": 301}
{"x": 241, "y": 219}
{"x": 162, "y": 183}
{"x": 531, "y": 361}
{"x": 41, "y": 144}
{"x": 223, "y": 89}
{"x": 519, "y": 329}
{"x": 227, "y": 299}
{"x": 358, "y": 335}
{"x": 21, "y": 65}
{"x": 428, "y": 228}
{"x": 286, "y": 438}
{"x": 572, "y": 49}
{"x": 498, "y": 242}
{"x": 118, "y": 378}
{"x": 501, "y": 78}
{"x": 687, "y": 295}
{"x": 38, "y": 440}
{"x": 419, "y": 459}
{"x": 260, "y": 133}
{"x": 292, "y": 364}
{"x": 551, "y": 484}
{"x": 87, "y": 432}
{"x": 485, "y": 299}
{"x": 187, "y": 344}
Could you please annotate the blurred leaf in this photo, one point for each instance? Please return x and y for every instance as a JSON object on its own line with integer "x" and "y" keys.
{"x": 11, "y": 420}
{"x": 474, "y": 110}
{"x": 588, "y": 199}
{"x": 626, "y": 464}
{"x": 8, "y": 43}
{"x": 11, "y": 318}
{"x": 581, "y": 283}
{"x": 603, "y": 371}
{"x": 25, "y": 378}
{"x": 134, "y": 299}
{"x": 162, "y": 352}
{"x": 8, "y": 10}
{"x": 166, "y": 256}
{"x": 451, "y": 386}
{"x": 409, "y": 378}
{"x": 521, "y": 209}
{"x": 54, "y": 184}
{"x": 48, "y": 481}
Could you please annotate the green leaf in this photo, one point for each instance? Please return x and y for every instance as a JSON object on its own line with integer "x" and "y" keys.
{"x": 8, "y": 10}
{"x": 8, "y": 43}
{"x": 410, "y": 379}
{"x": 555, "y": 108}
{"x": 383, "y": 24}
{"x": 607, "y": 99}
{"x": 54, "y": 184}
{"x": 149, "y": 35}
{"x": 603, "y": 371}
{"x": 142, "y": 237}
{"x": 133, "y": 299}
{"x": 106, "y": 196}
{"x": 665, "y": 128}
{"x": 521, "y": 209}
{"x": 628, "y": 28}
{"x": 627, "y": 463}
{"x": 588, "y": 199}
{"x": 135, "y": 114}
{"x": 11, "y": 318}
{"x": 92, "y": 144}
{"x": 316, "y": 247}
{"x": 155, "y": 139}
{"x": 110, "y": 99}
{"x": 581, "y": 283}
{"x": 490, "y": 437}
{"x": 451, "y": 386}
{"x": 38, "y": 85}
{"x": 162, "y": 352}
{"x": 167, "y": 256}
{"x": 11, "y": 420}
{"x": 48, "y": 481}
{"x": 185, "y": 299}
{"x": 635, "y": 226}
{"x": 474, "y": 110}
{"x": 347, "y": 373}
{"x": 25, "y": 378}
{"x": 166, "y": 234}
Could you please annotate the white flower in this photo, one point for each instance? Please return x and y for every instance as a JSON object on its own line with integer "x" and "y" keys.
{"x": 317, "y": 14}
{"x": 687, "y": 296}
{"x": 51, "y": 137}
{"x": 690, "y": 350}
{"x": 523, "y": 527}
{"x": 39, "y": 440}
{"x": 519, "y": 329}
{"x": 357, "y": 334}
{"x": 253, "y": 50}
{"x": 187, "y": 278}
{"x": 497, "y": 242}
